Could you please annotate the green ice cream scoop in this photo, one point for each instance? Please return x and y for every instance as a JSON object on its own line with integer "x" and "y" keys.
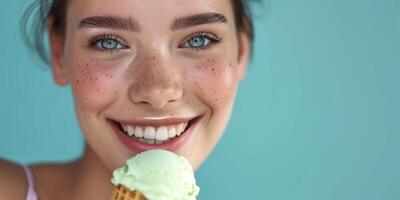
{"x": 158, "y": 175}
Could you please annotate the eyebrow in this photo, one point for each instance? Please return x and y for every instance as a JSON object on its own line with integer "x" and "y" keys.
{"x": 130, "y": 24}
{"x": 116, "y": 22}
{"x": 198, "y": 19}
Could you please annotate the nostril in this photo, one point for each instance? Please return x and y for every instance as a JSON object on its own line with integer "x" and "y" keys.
{"x": 155, "y": 94}
{"x": 155, "y": 101}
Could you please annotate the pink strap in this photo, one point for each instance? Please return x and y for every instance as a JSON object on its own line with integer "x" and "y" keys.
{"x": 31, "y": 195}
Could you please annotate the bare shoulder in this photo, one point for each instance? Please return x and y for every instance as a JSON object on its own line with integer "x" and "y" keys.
{"x": 13, "y": 184}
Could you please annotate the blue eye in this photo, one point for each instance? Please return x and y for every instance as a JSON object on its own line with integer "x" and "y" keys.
{"x": 107, "y": 43}
{"x": 200, "y": 40}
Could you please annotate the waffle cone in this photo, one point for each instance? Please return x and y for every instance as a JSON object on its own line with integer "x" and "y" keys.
{"x": 121, "y": 192}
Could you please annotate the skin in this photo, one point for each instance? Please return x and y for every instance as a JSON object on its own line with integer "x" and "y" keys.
{"x": 154, "y": 77}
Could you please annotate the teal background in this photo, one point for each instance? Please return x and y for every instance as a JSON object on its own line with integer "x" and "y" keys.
{"x": 316, "y": 118}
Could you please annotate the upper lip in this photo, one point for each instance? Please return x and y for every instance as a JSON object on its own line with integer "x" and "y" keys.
{"x": 156, "y": 122}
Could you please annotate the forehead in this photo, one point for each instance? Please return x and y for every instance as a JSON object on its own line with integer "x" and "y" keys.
{"x": 147, "y": 11}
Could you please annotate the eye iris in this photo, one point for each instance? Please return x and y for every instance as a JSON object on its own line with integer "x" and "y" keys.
{"x": 197, "y": 42}
{"x": 109, "y": 44}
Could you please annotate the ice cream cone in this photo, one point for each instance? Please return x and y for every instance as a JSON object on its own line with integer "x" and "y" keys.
{"x": 121, "y": 192}
{"x": 155, "y": 174}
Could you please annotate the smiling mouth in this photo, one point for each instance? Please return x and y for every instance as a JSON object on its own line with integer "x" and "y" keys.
{"x": 155, "y": 134}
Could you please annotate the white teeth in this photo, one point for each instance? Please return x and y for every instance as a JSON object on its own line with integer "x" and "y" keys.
{"x": 180, "y": 128}
{"x": 130, "y": 130}
{"x": 139, "y": 132}
{"x": 162, "y": 133}
{"x": 149, "y": 132}
{"x": 159, "y": 142}
{"x": 142, "y": 140}
{"x": 151, "y": 141}
{"x": 171, "y": 132}
{"x": 151, "y": 135}
{"x": 124, "y": 128}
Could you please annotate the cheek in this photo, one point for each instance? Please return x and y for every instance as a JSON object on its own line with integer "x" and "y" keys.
{"x": 93, "y": 84}
{"x": 216, "y": 81}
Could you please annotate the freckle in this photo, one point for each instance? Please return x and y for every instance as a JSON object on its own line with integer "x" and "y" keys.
{"x": 98, "y": 90}
{"x": 199, "y": 67}
{"x": 213, "y": 69}
{"x": 77, "y": 81}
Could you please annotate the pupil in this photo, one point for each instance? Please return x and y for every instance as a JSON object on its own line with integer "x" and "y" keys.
{"x": 109, "y": 44}
{"x": 197, "y": 42}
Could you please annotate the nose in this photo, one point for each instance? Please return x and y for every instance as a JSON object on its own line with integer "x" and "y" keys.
{"x": 156, "y": 83}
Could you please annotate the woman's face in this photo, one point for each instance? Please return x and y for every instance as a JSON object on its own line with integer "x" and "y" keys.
{"x": 151, "y": 74}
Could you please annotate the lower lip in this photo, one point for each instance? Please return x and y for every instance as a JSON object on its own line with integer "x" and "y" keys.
{"x": 135, "y": 145}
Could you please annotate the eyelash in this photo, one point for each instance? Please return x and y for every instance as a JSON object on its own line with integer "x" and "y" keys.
{"x": 93, "y": 42}
{"x": 213, "y": 39}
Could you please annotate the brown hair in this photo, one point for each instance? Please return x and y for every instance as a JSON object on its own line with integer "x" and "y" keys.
{"x": 34, "y": 22}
